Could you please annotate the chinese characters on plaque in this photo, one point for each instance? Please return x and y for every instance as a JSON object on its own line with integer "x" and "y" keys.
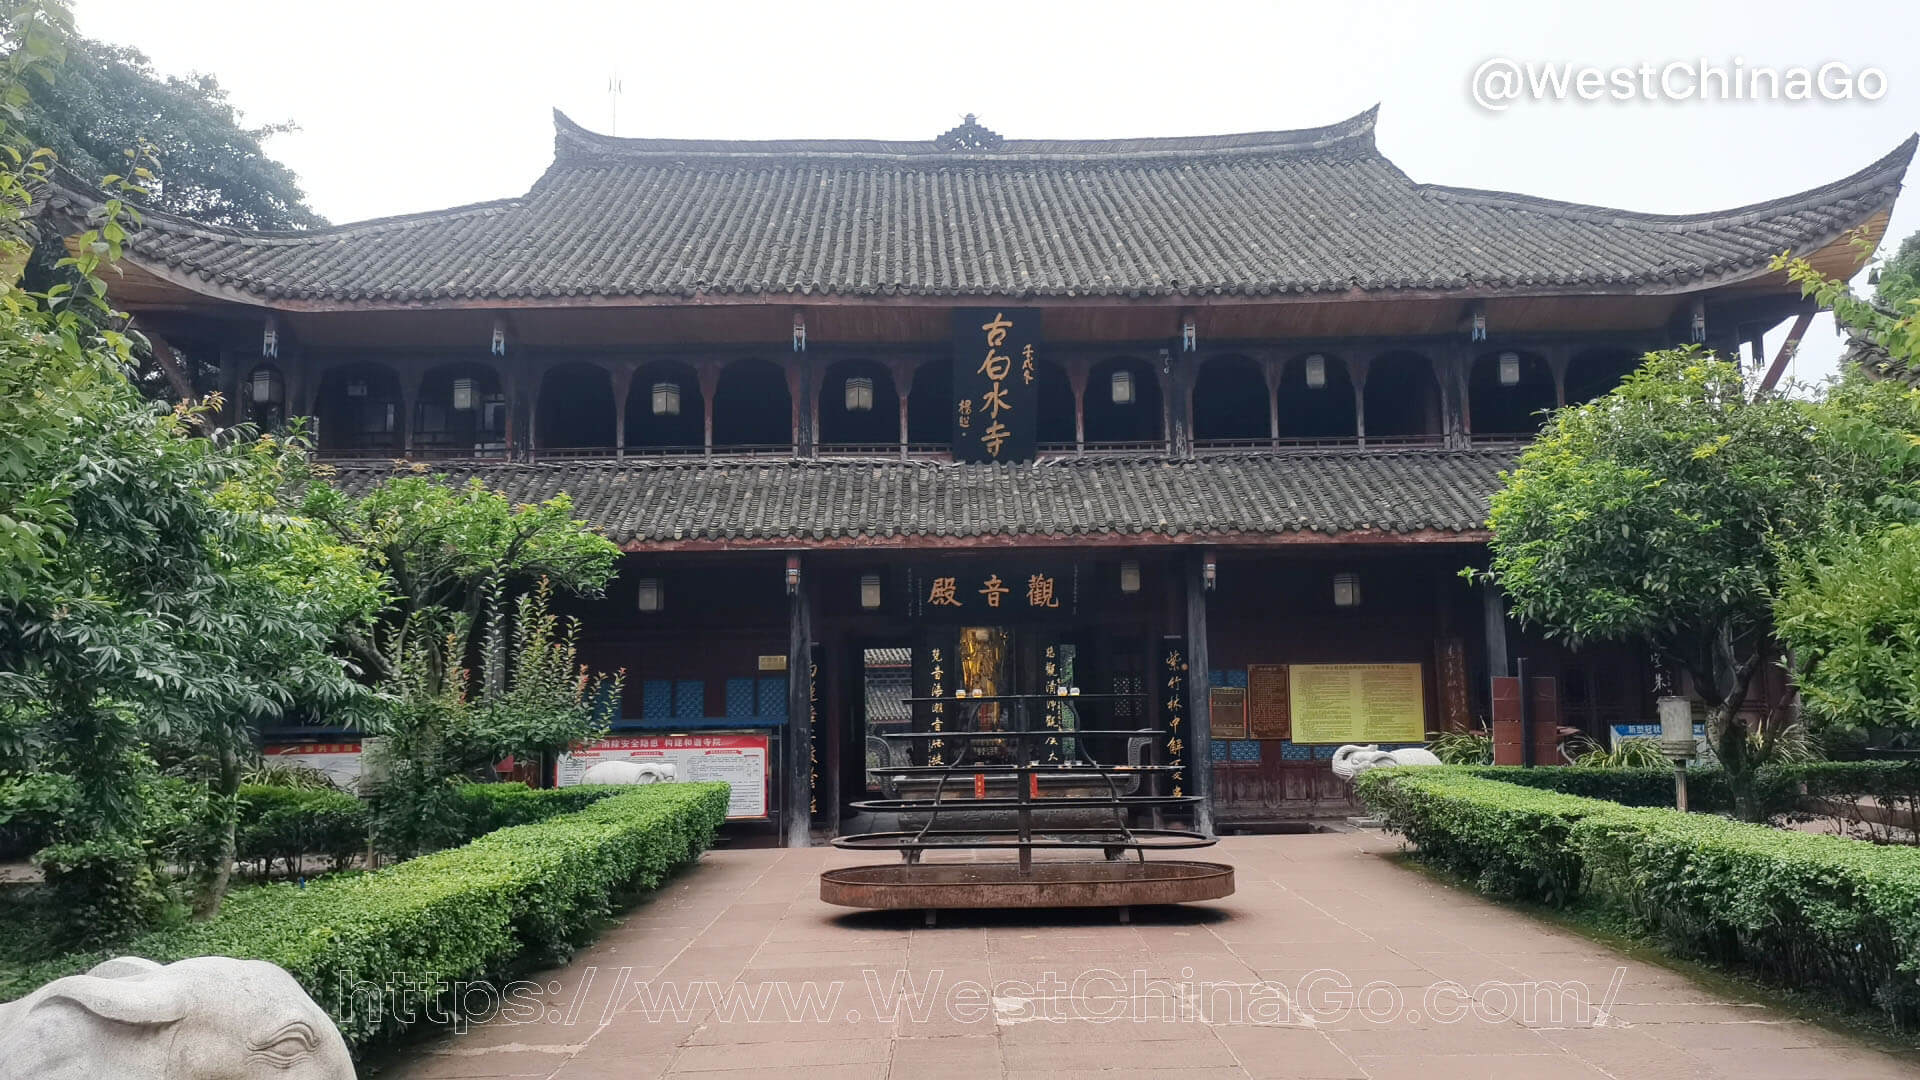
{"x": 1173, "y": 669}
{"x": 996, "y": 362}
{"x": 996, "y": 592}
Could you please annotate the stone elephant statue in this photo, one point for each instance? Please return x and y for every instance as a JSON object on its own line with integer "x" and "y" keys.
{"x": 629, "y": 772}
{"x": 208, "y": 1018}
{"x": 1350, "y": 760}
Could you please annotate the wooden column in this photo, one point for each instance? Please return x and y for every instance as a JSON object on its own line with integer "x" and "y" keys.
{"x": 1357, "y": 373}
{"x": 622, "y": 383}
{"x": 1495, "y": 610}
{"x": 1176, "y": 390}
{"x": 1273, "y": 369}
{"x": 709, "y": 376}
{"x": 1558, "y": 359}
{"x": 536, "y": 379}
{"x": 1077, "y": 380}
{"x": 409, "y": 400}
{"x": 1199, "y": 685}
{"x": 795, "y": 806}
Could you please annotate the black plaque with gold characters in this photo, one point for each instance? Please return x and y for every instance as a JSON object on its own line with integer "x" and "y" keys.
{"x": 996, "y": 366}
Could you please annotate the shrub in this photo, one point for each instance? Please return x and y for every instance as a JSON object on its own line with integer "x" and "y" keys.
{"x": 377, "y": 949}
{"x": 1462, "y": 747}
{"x": 291, "y": 824}
{"x": 1807, "y": 910}
{"x": 1508, "y": 840}
{"x": 483, "y": 808}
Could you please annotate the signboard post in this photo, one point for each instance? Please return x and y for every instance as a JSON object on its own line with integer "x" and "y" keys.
{"x": 739, "y": 760}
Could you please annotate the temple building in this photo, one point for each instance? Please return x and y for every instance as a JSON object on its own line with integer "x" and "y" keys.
{"x": 1190, "y": 434}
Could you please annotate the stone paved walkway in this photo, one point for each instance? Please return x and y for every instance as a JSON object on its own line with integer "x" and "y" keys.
{"x": 1386, "y": 975}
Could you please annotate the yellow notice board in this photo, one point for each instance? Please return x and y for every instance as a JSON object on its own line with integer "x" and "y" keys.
{"x": 1358, "y": 703}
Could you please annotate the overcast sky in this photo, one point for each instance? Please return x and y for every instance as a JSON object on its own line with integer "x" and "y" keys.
{"x": 406, "y": 105}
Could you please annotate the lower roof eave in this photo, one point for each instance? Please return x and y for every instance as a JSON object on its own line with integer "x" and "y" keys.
{"x": 1003, "y": 541}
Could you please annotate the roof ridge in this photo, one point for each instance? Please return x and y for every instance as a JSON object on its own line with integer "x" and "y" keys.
{"x": 574, "y": 144}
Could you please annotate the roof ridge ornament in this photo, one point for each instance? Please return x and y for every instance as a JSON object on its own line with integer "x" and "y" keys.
{"x": 970, "y": 135}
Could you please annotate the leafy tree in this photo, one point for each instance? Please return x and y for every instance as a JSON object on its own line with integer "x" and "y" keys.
{"x": 1889, "y": 322}
{"x": 1899, "y": 283}
{"x": 105, "y": 98}
{"x": 444, "y": 723}
{"x": 1665, "y": 512}
{"x": 442, "y": 547}
{"x": 154, "y": 592}
{"x": 1851, "y": 612}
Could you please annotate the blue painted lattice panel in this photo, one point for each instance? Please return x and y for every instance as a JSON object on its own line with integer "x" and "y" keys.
{"x": 1217, "y": 751}
{"x": 689, "y": 699}
{"x": 773, "y": 696}
{"x": 740, "y": 703}
{"x": 1324, "y": 753}
{"x": 656, "y": 699}
{"x": 1236, "y": 677}
{"x": 1293, "y": 751}
{"x": 1245, "y": 750}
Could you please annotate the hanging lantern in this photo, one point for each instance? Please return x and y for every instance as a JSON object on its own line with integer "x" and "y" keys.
{"x": 869, "y": 591}
{"x": 860, "y": 394}
{"x": 1189, "y": 335}
{"x": 357, "y": 388}
{"x": 1316, "y": 370}
{"x": 1479, "y": 322}
{"x": 1509, "y": 369}
{"x": 499, "y": 344}
{"x": 666, "y": 399}
{"x": 1699, "y": 320}
{"x": 1130, "y": 577}
{"x": 648, "y": 597}
{"x": 1122, "y": 388}
{"x": 270, "y": 340}
{"x": 799, "y": 332}
{"x": 463, "y": 395}
{"x": 1346, "y": 590}
{"x": 266, "y": 386}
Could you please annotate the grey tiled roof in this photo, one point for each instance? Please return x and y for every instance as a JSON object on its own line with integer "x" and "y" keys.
{"x": 1331, "y": 492}
{"x": 1312, "y": 211}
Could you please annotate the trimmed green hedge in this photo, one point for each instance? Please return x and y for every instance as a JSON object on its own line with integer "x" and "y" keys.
{"x": 375, "y": 949}
{"x": 485, "y": 808}
{"x": 289, "y": 824}
{"x": 1808, "y": 910}
{"x": 1778, "y": 787}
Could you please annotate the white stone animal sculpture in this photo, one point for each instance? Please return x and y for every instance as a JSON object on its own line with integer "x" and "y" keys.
{"x": 208, "y": 1018}
{"x": 1350, "y": 760}
{"x": 629, "y": 772}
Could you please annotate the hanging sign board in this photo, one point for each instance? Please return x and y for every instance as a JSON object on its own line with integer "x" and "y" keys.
{"x": 738, "y": 760}
{"x": 1357, "y": 703}
{"x": 1227, "y": 712}
{"x": 339, "y": 761}
{"x": 996, "y": 365}
{"x": 1269, "y": 709}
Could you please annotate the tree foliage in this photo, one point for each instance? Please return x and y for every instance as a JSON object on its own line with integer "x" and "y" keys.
{"x": 155, "y": 591}
{"x": 442, "y": 547}
{"x": 105, "y": 98}
{"x": 1851, "y": 612}
{"x": 1669, "y": 511}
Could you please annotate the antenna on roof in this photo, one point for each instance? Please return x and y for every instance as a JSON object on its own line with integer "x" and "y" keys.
{"x": 613, "y": 103}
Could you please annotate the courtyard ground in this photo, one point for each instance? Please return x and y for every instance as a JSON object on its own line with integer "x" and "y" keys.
{"x": 1330, "y": 961}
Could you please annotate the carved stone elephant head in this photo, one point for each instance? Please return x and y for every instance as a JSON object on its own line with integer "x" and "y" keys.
{"x": 208, "y": 1018}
